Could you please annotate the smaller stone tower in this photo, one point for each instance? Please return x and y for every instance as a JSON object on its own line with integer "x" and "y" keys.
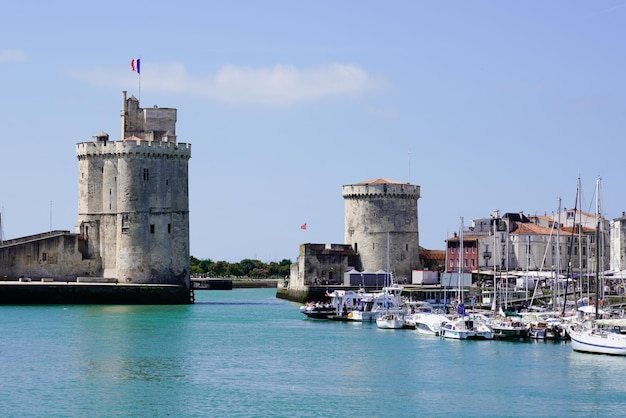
{"x": 375, "y": 210}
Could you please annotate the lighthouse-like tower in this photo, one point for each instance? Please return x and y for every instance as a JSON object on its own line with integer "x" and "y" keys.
{"x": 133, "y": 199}
{"x": 378, "y": 212}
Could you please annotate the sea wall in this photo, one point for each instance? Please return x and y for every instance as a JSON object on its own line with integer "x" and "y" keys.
{"x": 300, "y": 295}
{"x": 20, "y": 293}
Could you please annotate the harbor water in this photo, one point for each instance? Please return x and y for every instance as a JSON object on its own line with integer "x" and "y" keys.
{"x": 244, "y": 353}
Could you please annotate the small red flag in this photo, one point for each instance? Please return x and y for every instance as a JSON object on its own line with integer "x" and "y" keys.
{"x": 303, "y": 226}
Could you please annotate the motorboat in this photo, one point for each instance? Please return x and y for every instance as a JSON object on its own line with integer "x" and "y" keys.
{"x": 428, "y": 323}
{"x": 466, "y": 328}
{"x": 508, "y": 329}
{"x": 341, "y": 302}
{"x": 370, "y": 306}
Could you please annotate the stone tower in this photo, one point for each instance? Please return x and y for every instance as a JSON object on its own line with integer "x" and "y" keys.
{"x": 379, "y": 208}
{"x": 133, "y": 200}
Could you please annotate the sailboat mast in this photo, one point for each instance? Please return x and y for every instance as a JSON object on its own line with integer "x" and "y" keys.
{"x": 597, "y": 246}
{"x": 458, "y": 290}
{"x": 580, "y": 240}
{"x": 388, "y": 272}
{"x": 557, "y": 270}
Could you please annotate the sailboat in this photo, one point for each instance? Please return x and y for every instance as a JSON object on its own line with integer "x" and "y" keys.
{"x": 594, "y": 335}
{"x": 389, "y": 319}
{"x": 464, "y": 327}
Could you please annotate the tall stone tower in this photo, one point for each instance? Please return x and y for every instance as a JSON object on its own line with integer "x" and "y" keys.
{"x": 376, "y": 209}
{"x": 133, "y": 200}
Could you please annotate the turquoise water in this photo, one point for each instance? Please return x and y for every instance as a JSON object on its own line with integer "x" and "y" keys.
{"x": 246, "y": 353}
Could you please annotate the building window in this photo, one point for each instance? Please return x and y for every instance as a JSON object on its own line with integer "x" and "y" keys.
{"x": 44, "y": 256}
{"x": 407, "y": 247}
{"x": 152, "y": 228}
{"x": 146, "y": 174}
{"x": 169, "y": 228}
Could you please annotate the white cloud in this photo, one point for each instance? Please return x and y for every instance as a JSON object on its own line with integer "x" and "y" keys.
{"x": 280, "y": 85}
{"x": 12, "y": 55}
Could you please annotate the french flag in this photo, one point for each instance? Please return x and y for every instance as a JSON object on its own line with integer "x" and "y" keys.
{"x": 135, "y": 64}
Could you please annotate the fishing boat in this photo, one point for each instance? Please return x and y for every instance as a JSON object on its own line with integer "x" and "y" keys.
{"x": 594, "y": 336}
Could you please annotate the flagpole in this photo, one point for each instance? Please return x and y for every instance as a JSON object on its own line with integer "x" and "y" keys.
{"x": 139, "y": 75}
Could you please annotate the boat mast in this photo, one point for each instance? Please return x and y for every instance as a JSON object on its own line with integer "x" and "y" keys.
{"x": 580, "y": 239}
{"x": 494, "y": 306}
{"x": 557, "y": 271}
{"x": 597, "y": 274}
{"x": 460, "y": 269}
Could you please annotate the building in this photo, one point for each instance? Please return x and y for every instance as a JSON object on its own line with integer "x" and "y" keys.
{"x": 381, "y": 224}
{"x": 133, "y": 220}
{"x": 133, "y": 199}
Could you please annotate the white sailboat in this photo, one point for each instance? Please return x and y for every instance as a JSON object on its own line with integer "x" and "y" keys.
{"x": 464, "y": 327}
{"x": 389, "y": 319}
{"x": 594, "y": 336}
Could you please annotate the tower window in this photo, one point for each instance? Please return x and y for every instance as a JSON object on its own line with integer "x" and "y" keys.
{"x": 125, "y": 224}
{"x": 146, "y": 174}
{"x": 169, "y": 228}
{"x": 152, "y": 228}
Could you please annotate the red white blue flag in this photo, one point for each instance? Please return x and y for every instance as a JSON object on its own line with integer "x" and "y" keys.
{"x": 135, "y": 64}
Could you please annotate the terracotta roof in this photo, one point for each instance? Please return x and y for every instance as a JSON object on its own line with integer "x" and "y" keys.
{"x": 432, "y": 254}
{"x": 381, "y": 181}
{"x": 586, "y": 230}
{"x": 532, "y": 229}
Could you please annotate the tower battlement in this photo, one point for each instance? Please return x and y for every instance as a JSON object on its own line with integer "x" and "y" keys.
{"x": 132, "y": 146}
{"x": 381, "y": 190}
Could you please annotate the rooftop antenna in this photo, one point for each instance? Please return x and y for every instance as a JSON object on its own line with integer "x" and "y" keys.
{"x": 409, "y": 166}
{"x": 1, "y": 231}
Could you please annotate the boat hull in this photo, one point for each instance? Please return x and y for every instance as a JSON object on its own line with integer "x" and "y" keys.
{"x": 598, "y": 342}
{"x": 390, "y": 322}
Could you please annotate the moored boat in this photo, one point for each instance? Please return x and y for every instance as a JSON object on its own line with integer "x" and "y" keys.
{"x": 597, "y": 337}
{"x": 390, "y": 321}
{"x": 466, "y": 328}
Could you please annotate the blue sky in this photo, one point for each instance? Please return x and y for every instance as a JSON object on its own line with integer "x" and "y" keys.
{"x": 485, "y": 104}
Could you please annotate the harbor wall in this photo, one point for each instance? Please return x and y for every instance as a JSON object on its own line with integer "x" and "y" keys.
{"x": 27, "y": 293}
{"x": 302, "y": 294}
